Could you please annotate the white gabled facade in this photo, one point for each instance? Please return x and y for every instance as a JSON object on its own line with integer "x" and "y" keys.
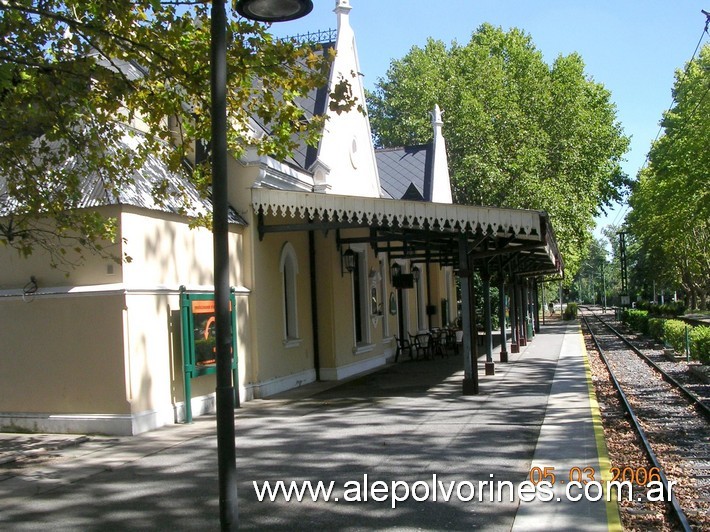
{"x": 346, "y": 156}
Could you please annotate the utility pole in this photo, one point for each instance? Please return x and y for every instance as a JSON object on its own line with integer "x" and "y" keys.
{"x": 625, "y": 299}
{"x": 603, "y": 287}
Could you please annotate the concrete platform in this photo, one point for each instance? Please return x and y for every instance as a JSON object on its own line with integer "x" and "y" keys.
{"x": 407, "y": 423}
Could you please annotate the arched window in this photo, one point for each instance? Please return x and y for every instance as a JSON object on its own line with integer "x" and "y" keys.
{"x": 288, "y": 266}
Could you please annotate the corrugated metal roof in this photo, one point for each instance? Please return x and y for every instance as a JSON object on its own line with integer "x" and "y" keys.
{"x": 182, "y": 198}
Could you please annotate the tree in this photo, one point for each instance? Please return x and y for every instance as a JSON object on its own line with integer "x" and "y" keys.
{"x": 670, "y": 217}
{"x": 519, "y": 133}
{"x": 595, "y": 277}
{"x": 91, "y": 89}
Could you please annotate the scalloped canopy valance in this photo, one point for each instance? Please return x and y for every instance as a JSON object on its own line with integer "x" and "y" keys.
{"x": 426, "y": 226}
{"x": 381, "y": 212}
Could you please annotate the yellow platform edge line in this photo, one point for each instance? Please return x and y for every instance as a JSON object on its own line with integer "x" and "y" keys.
{"x": 612, "y": 505}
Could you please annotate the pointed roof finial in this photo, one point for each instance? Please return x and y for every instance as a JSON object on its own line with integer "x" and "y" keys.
{"x": 342, "y": 10}
{"x": 436, "y": 119}
{"x": 342, "y": 6}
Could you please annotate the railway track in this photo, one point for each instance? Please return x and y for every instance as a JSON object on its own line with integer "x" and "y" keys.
{"x": 671, "y": 414}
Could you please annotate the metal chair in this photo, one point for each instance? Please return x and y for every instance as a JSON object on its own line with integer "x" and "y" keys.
{"x": 402, "y": 345}
{"x": 438, "y": 339}
{"x": 450, "y": 344}
{"x": 421, "y": 343}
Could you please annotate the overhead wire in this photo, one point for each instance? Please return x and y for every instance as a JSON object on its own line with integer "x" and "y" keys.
{"x": 673, "y": 102}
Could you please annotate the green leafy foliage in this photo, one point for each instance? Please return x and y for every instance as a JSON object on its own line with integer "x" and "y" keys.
{"x": 674, "y": 334}
{"x": 520, "y": 133}
{"x": 636, "y": 319}
{"x": 79, "y": 77}
{"x": 655, "y": 328}
{"x": 205, "y": 350}
{"x": 594, "y": 275}
{"x": 700, "y": 344}
{"x": 571, "y": 311}
{"x": 668, "y": 310}
{"x": 670, "y": 220}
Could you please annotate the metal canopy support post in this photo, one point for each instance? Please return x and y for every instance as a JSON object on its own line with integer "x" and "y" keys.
{"x": 544, "y": 303}
{"x": 470, "y": 379}
{"x": 514, "y": 317}
{"x": 536, "y": 306}
{"x": 501, "y": 313}
{"x": 522, "y": 315}
{"x": 528, "y": 310}
{"x": 486, "y": 276}
{"x": 472, "y": 311}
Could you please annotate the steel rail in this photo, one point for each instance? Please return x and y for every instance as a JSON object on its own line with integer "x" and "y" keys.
{"x": 696, "y": 401}
{"x": 675, "y": 505}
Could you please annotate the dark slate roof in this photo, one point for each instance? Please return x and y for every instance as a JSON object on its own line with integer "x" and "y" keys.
{"x": 312, "y": 105}
{"x": 405, "y": 173}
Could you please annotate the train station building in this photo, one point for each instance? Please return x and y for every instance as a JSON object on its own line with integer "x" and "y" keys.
{"x": 340, "y": 256}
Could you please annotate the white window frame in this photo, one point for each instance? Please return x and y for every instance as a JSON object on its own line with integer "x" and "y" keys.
{"x": 288, "y": 268}
{"x": 384, "y": 299}
{"x": 365, "y": 344}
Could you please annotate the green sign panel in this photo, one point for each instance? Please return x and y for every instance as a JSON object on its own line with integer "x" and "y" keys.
{"x": 198, "y": 340}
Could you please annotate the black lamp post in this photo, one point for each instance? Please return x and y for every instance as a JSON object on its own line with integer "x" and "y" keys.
{"x": 263, "y": 11}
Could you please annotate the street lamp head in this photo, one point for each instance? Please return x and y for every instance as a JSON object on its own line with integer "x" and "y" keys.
{"x": 273, "y": 10}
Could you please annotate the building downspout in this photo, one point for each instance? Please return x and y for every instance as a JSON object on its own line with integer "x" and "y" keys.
{"x": 314, "y": 302}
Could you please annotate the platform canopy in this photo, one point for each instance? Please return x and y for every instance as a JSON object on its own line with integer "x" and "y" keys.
{"x": 417, "y": 230}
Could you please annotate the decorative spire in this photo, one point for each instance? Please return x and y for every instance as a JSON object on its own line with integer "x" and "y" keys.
{"x": 436, "y": 119}
{"x": 342, "y": 7}
{"x": 342, "y": 10}
{"x": 441, "y": 186}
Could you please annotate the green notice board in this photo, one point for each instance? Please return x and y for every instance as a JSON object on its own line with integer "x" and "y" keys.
{"x": 197, "y": 320}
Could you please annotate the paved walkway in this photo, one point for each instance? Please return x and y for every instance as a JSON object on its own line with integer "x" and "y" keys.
{"x": 570, "y": 446}
{"x": 405, "y": 424}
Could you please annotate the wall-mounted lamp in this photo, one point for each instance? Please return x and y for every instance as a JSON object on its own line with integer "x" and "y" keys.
{"x": 395, "y": 271}
{"x": 347, "y": 261}
{"x": 31, "y": 287}
{"x": 416, "y": 274}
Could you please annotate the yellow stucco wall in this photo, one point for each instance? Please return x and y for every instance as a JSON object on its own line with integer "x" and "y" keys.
{"x": 166, "y": 252}
{"x": 63, "y": 355}
{"x": 271, "y": 356}
{"x": 92, "y": 269}
{"x": 106, "y": 340}
{"x": 336, "y": 308}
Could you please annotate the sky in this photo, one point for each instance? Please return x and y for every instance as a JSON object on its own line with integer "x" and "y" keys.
{"x": 632, "y": 47}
